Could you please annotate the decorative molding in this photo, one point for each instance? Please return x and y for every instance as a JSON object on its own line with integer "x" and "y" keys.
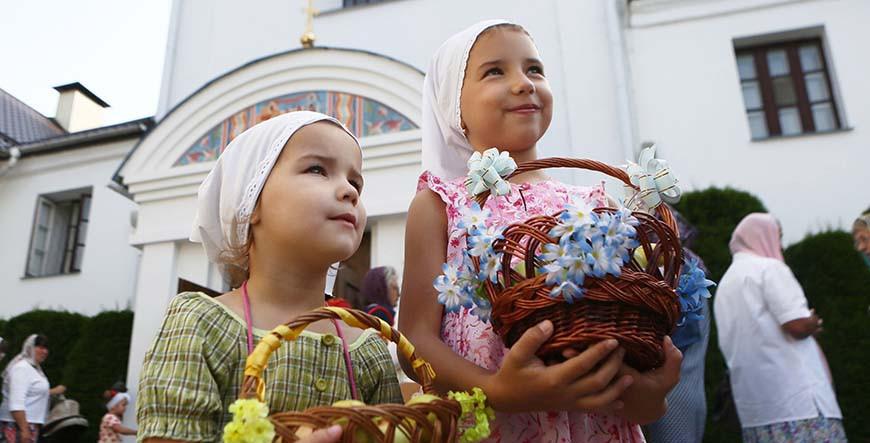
{"x": 385, "y": 85}
{"x": 649, "y": 13}
{"x": 363, "y": 116}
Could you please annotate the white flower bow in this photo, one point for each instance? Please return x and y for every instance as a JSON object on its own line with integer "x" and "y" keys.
{"x": 653, "y": 179}
{"x": 487, "y": 172}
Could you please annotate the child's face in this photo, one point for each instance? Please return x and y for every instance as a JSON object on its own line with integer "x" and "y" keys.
{"x": 120, "y": 408}
{"x": 310, "y": 205}
{"x": 506, "y": 101}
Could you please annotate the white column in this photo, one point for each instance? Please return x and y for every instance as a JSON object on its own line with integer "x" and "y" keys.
{"x": 388, "y": 242}
{"x": 156, "y": 285}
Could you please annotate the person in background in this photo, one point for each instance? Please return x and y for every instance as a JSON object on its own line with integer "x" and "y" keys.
{"x": 26, "y": 392}
{"x": 781, "y": 385}
{"x": 380, "y": 293}
{"x": 111, "y": 428}
{"x": 4, "y": 347}
{"x": 687, "y": 403}
{"x": 861, "y": 235}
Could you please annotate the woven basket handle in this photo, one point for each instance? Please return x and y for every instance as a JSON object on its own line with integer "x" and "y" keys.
{"x": 253, "y": 385}
{"x": 560, "y": 162}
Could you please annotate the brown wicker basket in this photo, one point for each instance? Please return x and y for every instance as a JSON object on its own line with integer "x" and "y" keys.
{"x": 638, "y": 308}
{"x": 433, "y": 421}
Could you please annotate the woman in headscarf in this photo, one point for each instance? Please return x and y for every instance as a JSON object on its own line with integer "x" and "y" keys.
{"x": 779, "y": 377}
{"x": 380, "y": 293}
{"x": 25, "y": 392}
{"x": 861, "y": 235}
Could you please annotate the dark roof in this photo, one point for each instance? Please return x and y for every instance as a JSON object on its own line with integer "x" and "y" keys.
{"x": 82, "y": 139}
{"x": 76, "y": 86}
{"x": 20, "y": 123}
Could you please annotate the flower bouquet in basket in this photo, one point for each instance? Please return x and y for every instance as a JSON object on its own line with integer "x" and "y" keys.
{"x": 460, "y": 417}
{"x": 596, "y": 273}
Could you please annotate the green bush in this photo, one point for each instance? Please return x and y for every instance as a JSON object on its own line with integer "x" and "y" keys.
{"x": 87, "y": 355}
{"x": 98, "y": 360}
{"x": 62, "y": 330}
{"x": 836, "y": 282}
{"x": 715, "y": 213}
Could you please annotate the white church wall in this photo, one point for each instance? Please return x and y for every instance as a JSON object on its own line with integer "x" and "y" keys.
{"x": 388, "y": 234}
{"x": 108, "y": 269}
{"x": 193, "y": 264}
{"x": 683, "y": 90}
{"x": 156, "y": 284}
{"x": 689, "y": 100}
{"x": 572, "y": 36}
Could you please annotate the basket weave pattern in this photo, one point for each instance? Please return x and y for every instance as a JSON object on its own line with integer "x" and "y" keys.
{"x": 638, "y": 308}
{"x": 434, "y": 421}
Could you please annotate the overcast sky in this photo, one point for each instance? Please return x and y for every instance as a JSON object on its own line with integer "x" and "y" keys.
{"x": 113, "y": 47}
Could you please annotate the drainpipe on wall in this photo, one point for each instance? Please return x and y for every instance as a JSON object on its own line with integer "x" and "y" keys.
{"x": 14, "y": 155}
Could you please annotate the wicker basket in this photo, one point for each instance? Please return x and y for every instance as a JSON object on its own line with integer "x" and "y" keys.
{"x": 638, "y": 308}
{"x": 434, "y": 421}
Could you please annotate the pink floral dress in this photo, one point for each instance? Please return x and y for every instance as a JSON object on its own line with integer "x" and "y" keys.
{"x": 478, "y": 343}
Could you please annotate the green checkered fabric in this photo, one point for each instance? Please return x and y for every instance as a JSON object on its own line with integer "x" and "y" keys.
{"x": 194, "y": 369}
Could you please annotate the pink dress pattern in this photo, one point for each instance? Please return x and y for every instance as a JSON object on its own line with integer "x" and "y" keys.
{"x": 477, "y": 342}
{"x": 107, "y": 433}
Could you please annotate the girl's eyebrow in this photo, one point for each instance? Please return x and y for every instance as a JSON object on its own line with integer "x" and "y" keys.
{"x": 356, "y": 173}
{"x": 499, "y": 61}
{"x": 315, "y": 156}
{"x": 495, "y": 62}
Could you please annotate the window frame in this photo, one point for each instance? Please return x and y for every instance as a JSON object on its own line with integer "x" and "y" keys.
{"x": 769, "y": 107}
{"x": 68, "y": 249}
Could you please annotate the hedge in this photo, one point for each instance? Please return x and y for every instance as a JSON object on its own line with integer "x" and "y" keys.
{"x": 835, "y": 280}
{"x": 87, "y": 355}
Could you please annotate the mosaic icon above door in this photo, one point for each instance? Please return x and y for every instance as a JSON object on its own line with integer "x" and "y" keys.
{"x": 363, "y": 116}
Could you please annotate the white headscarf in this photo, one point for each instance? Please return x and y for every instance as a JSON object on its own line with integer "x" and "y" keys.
{"x": 117, "y": 398}
{"x": 445, "y": 147}
{"x": 28, "y": 352}
{"x": 231, "y": 190}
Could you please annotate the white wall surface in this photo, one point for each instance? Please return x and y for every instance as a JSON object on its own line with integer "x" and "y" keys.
{"x": 689, "y": 100}
{"x": 108, "y": 271}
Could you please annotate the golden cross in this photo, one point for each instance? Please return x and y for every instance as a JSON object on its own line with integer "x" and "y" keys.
{"x": 308, "y": 37}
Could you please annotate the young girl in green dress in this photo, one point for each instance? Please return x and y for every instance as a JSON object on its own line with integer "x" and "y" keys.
{"x": 281, "y": 204}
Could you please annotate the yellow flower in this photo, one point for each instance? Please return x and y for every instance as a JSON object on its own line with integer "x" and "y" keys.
{"x": 250, "y": 423}
{"x": 474, "y": 406}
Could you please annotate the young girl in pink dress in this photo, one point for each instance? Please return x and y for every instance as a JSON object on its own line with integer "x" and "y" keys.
{"x": 486, "y": 88}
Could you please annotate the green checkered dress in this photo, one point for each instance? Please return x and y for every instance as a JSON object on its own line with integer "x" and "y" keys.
{"x": 194, "y": 369}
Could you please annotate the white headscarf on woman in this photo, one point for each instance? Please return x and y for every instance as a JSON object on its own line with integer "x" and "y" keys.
{"x": 28, "y": 352}
{"x": 445, "y": 148}
{"x": 229, "y": 193}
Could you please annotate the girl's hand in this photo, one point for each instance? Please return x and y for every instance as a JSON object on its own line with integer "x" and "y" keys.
{"x": 645, "y": 401}
{"x": 57, "y": 390}
{"x": 586, "y": 382}
{"x": 328, "y": 435}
